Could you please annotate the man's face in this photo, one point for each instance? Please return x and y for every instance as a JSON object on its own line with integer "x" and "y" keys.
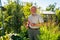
{"x": 33, "y": 10}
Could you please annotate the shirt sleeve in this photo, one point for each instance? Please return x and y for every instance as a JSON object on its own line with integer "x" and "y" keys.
{"x": 40, "y": 19}
{"x": 29, "y": 18}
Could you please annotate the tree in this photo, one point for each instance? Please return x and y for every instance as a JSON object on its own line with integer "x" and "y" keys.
{"x": 51, "y": 7}
{"x": 58, "y": 15}
{"x": 13, "y": 17}
{"x": 26, "y": 9}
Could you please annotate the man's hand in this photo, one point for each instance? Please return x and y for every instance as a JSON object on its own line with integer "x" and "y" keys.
{"x": 33, "y": 24}
{"x": 40, "y": 24}
{"x": 30, "y": 23}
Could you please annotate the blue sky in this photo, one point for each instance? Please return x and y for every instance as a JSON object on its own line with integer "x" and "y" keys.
{"x": 42, "y": 3}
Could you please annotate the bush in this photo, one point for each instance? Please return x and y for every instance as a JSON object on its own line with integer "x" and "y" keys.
{"x": 49, "y": 32}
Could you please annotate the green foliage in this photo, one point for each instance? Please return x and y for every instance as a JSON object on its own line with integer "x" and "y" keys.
{"x": 51, "y": 7}
{"x": 26, "y": 9}
{"x": 17, "y": 19}
{"x": 13, "y": 17}
{"x": 58, "y": 13}
{"x": 49, "y": 32}
{"x": 21, "y": 36}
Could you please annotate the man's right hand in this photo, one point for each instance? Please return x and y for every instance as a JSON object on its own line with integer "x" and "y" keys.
{"x": 30, "y": 23}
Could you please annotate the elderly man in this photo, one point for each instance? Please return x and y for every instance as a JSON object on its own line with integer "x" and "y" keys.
{"x": 34, "y": 23}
